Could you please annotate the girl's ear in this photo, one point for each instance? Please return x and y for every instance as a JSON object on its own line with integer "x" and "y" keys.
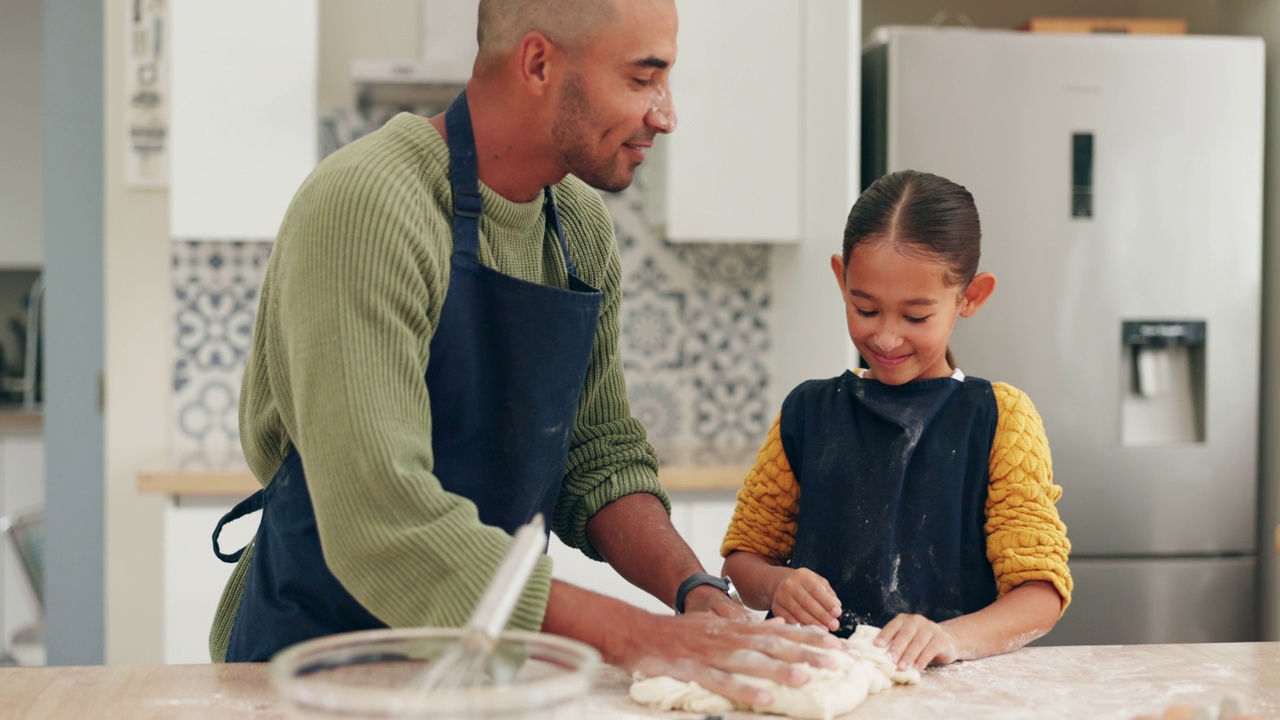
{"x": 979, "y": 290}
{"x": 837, "y": 267}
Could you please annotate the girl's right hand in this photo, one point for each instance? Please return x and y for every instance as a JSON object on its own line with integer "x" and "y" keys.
{"x": 806, "y": 598}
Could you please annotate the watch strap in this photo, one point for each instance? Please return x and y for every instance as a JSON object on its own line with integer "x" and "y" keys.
{"x": 697, "y": 580}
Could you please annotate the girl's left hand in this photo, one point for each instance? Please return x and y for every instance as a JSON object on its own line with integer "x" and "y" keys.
{"x": 915, "y": 641}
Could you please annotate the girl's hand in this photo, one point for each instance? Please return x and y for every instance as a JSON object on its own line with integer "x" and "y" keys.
{"x": 915, "y": 641}
{"x": 806, "y": 598}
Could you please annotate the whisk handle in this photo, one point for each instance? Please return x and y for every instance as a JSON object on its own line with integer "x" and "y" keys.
{"x": 499, "y": 600}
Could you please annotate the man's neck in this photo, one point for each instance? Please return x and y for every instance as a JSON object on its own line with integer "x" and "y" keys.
{"x": 513, "y": 154}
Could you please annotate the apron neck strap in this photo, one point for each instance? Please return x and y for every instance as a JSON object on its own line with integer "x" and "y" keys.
{"x": 468, "y": 205}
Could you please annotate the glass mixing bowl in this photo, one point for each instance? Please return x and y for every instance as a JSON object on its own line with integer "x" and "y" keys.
{"x": 375, "y": 674}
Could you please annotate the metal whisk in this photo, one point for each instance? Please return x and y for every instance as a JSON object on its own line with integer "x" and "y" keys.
{"x": 465, "y": 660}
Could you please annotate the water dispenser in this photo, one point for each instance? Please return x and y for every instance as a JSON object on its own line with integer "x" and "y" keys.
{"x": 1163, "y": 399}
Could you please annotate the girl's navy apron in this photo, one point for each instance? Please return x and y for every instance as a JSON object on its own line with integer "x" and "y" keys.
{"x": 893, "y": 490}
{"x": 508, "y": 362}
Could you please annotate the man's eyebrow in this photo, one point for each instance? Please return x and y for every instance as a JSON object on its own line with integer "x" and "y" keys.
{"x": 652, "y": 61}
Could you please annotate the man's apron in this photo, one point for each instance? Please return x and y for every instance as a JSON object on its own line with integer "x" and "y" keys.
{"x": 508, "y": 362}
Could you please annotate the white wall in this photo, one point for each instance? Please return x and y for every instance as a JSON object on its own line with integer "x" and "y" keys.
{"x": 21, "y": 142}
{"x": 354, "y": 30}
{"x": 139, "y": 366}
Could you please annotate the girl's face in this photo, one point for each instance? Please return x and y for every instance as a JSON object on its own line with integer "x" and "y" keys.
{"x": 901, "y": 311}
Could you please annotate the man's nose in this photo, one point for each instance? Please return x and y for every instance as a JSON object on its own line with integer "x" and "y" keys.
{"x": 662, "y": 111}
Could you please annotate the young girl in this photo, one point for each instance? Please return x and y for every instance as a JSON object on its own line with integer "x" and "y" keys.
{"x": 907, "y": 495}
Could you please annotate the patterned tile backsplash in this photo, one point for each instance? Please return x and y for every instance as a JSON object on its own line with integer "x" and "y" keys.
{"x": 695, "y": 329}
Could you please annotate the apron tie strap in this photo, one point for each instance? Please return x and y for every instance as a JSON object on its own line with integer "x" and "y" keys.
{"x": 253, "y": 503}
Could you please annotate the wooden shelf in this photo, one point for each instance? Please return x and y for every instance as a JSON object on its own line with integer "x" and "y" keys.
{"x": 19, "y": 419}
{"x": 1118, "y": 25}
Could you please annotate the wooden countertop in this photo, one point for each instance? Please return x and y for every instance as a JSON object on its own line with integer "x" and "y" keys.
{"x": 682, "y": 469}
{"x": 1096, "y": 682}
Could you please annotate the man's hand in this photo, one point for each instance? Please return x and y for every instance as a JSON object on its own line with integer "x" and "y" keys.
{"x": 709, "y": 599}
{"x": 914, "y": 641}
{"x": 707, "y": 649}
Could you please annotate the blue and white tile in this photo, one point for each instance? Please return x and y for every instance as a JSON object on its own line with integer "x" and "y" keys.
{"x": 694, "y": 322}
{"x": 216, "y": 286}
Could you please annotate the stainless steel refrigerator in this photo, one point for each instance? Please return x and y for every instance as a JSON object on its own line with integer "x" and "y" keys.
{"x": 1119, "y": 183}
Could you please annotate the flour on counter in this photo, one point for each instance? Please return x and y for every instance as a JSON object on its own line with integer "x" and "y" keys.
{"x": 861, "y": 669}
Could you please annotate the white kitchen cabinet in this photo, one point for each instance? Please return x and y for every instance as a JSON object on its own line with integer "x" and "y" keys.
{"x": 244, "y": 125}
{"x": 21, "y": 490}
{"x": 733, "y": 166}
{"x": 193, "y": 576}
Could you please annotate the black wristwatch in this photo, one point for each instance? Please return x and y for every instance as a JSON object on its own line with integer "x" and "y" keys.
{"x": 724, "y": 585}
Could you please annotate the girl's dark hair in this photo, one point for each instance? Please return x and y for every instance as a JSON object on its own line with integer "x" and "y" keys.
{"x": 920, "y": 214}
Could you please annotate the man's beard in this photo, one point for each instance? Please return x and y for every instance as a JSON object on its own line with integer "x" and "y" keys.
{"x": 574, "y": 128}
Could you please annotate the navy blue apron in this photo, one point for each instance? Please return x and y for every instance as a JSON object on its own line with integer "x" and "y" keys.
{"x": 893, "y": 490}
{"x": 508, "y": 362}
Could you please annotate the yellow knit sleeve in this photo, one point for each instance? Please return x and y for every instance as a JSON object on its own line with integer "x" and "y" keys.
{"x": 1026, "y": 540}
{"x": 764, "y": 522}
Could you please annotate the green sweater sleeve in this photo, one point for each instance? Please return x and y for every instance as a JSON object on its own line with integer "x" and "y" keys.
{"x": 349, "y": 306}
{"x": 610, "y": 456}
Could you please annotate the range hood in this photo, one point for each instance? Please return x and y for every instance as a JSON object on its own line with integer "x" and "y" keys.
{"x": 447, "y": 49}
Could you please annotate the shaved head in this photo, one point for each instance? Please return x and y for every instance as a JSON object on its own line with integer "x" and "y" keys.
{"x": 568, "y": 23}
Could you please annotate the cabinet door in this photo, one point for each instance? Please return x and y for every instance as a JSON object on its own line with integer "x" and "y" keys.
{"x": 193, "y": 576}
{"x": 244, "y": 116}
{"x": 733, "y": 164}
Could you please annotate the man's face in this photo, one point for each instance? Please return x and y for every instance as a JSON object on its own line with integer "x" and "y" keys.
{"x": 615, "y": 96}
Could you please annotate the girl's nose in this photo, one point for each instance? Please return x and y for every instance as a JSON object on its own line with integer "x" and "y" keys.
{"x": 887, "y": 342}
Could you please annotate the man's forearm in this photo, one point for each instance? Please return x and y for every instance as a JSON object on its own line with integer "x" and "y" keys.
{"x": 635, "y": 535}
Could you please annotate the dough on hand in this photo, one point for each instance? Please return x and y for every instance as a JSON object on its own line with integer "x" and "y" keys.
{"x": 861, "y": 669}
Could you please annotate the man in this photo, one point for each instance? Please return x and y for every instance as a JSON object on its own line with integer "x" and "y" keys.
{"x": 468, "y": 250}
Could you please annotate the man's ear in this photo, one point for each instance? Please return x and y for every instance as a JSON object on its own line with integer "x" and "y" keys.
{"x": 979, "y": 290}
{"x": 535, "y": 54}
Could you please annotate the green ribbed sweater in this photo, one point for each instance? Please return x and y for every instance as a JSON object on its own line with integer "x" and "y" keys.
{"x": 349, "y": 305}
